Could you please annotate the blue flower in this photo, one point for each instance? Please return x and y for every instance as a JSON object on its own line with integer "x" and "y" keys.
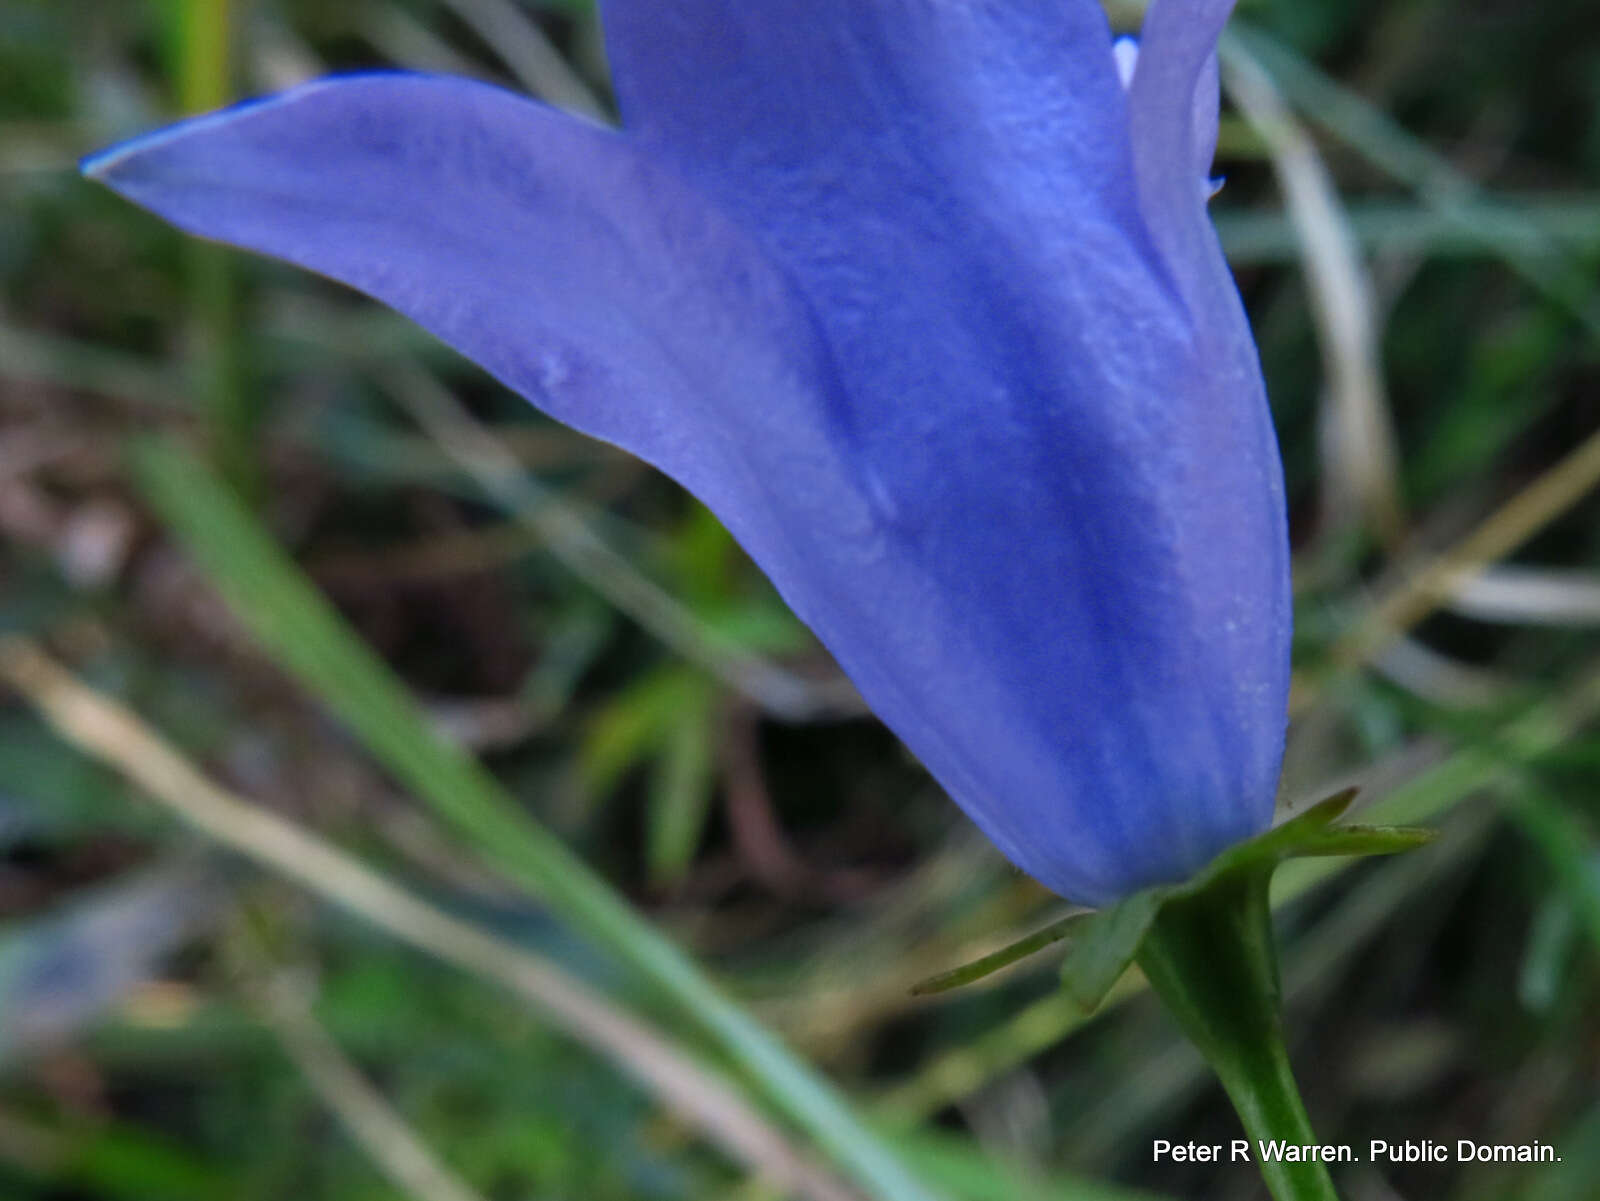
{"x": 922, "y": 299}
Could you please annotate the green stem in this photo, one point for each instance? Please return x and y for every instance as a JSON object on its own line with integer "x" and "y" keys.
{"x": 201, "y": 38}
{"x": 1211, "y": 959}
{"x": 232, "y": 412}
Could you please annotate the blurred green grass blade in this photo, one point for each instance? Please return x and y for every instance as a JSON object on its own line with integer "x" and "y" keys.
{"x": 1437, "y": 181}
{"x": 632, "y": 727}
{"x": 309, "y": 639}
{"x": 978, "y": 1176}
{"x": 1573, "y": 1177}
{"x": 232, "y": 410}
{"x": 1546, "y": 959}
{"x": 200, "y": 39}
{"x": 130, "y": 1164}
{"x": 118, "y": 1163}
{"x": 34, "y": 357}
{"x": 665, "y": 720}
{"x": 1493, "y": 225}
{"x": 1568, "y": 848}
{"x": 681, "y": 787}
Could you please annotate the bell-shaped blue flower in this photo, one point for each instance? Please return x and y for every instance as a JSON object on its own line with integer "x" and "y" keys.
{"x": 922, "y": 299}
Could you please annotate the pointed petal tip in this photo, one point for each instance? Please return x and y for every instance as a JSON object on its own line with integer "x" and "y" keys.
{"x": 96, "y": 166}
{"x": 101, "y": 166}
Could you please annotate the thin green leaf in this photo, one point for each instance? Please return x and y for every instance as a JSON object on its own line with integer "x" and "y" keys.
{"x": 635, "y": 725}
{"x": 680, "y": 793}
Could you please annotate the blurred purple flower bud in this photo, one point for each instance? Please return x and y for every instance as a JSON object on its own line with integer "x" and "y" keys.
{"x": 922, "y": 299}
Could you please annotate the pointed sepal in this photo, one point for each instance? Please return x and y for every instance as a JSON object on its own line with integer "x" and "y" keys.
{"x": 1103, "y": 943}
{"x": 1108, "y": 944}
{"x": 979, "y": 968}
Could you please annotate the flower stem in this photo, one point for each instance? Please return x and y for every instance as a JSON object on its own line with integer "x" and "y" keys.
{"x": 1212, "y": 960}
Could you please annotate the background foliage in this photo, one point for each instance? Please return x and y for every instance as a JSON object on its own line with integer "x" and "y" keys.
{"x": 1413, "y": 213}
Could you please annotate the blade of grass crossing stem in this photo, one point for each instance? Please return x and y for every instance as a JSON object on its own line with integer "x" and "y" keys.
{"x": 308, "y": 638}
{"x": 200, "y": 35}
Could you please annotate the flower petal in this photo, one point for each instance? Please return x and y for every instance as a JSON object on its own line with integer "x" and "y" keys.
{"x": 913, "y": 164}
{"x": 1010, "y": 491}
{"x": 579, "y": 272}
{"x": 590, "y": 279}
{"x": 1172, "y": 111}
{"x": 755, "y": 86}
{"x": 1075, "y": 453}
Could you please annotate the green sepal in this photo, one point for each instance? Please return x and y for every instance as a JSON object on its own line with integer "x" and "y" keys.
{"x": 1109, "y": 942}
{"x": 1280, "y": 842}
{"x": 1004, "y": 957}
{"x": 1364, "y": 840}
{"x": 1307, "y": 835}
{"x": 1206, "y": 947}
{"x": 1105, "y": 942}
